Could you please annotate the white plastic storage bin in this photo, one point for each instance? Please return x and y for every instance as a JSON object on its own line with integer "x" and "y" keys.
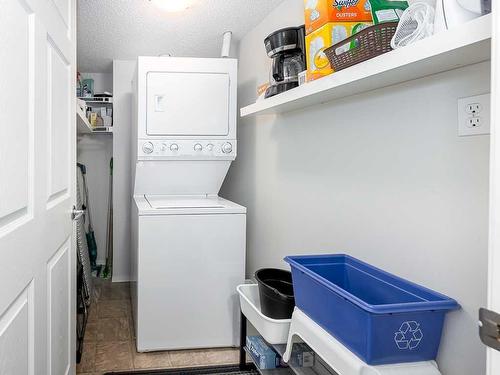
{"x": 274, "y": 331}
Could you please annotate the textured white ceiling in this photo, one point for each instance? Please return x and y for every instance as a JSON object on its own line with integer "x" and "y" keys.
{"x": 125, "y": 29}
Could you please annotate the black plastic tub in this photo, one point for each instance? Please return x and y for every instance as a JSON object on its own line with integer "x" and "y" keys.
{"x": 276, "y": 292}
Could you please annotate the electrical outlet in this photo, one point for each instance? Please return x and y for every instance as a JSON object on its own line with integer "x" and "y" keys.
{"x": 473, "y": 122}
{"x": 473, "y": 108}
{"x": 474, "y": 115}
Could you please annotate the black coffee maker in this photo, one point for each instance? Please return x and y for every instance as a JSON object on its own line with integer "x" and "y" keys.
{"x": 287, "y": 49}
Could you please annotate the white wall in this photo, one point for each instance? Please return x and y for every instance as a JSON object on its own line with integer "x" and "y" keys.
{"x": 123, "y": 71}
{"x": 95, "y": 151}
{"x": 381, "y": 176}
{"x": 102, "y": 81}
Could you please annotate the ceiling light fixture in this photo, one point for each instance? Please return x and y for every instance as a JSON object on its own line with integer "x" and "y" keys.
{"x": 172, "y": 5}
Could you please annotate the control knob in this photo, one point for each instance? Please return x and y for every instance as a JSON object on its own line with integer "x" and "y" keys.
{"x": 147, "y": 147}
{"x": 198, "y": 147}
{"x": 227, "y": 148}
{"x": 174, "y": 147}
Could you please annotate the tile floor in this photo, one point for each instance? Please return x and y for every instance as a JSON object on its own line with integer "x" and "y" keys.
{"x": 109, "y": 340}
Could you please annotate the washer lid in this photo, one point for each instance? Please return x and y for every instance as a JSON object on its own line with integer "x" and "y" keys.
{"x": 168, "y": 202}
{"x": 185, "y": 205}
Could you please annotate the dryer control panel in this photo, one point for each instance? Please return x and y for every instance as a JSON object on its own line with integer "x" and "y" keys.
{"x": 186, "y": 149}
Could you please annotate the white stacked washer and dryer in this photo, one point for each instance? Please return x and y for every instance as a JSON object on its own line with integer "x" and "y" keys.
{"x": 188, "y": 243}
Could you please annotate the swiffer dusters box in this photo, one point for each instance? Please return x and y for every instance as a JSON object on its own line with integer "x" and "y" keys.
{"x": 319, "y": 12}
{"x": 262, "y": 354}
{"x": 387, "y": 10}
{"x": 333, "y": 32}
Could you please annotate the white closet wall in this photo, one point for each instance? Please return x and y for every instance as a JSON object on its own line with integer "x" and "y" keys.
{"x": 95, "y": 151}
{"x": 123, "y": 72}
{"x": 102, "y": 81}
{"x": 382, "y": 176}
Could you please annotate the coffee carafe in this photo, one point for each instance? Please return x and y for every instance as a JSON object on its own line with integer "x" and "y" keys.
{"x": 287, "y": 49}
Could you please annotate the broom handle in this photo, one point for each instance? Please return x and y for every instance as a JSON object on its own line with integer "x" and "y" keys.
{"x": 83, "y": 168}
{"x": 109, "y": 229}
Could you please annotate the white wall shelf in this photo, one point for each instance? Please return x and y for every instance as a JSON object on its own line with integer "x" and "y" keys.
{"x": 83, "y": 126}
{"x": 100, "y": 100}
{"x": 82, "y": 123}
{"x": 462, "y": 46}
{"x": 104, "y": 130}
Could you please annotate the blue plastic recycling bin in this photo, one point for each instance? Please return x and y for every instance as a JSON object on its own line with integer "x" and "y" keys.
{"x": 381, "y": 318}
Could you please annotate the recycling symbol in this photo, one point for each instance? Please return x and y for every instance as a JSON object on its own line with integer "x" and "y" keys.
{"x": 409, "y": 336}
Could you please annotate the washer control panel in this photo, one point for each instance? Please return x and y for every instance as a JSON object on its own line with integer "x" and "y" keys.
{"x": 172, "y": 149}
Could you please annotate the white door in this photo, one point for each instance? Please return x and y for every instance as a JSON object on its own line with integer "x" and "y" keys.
{"x": 37, "y": 179}
{"x": 493, "y": 361}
